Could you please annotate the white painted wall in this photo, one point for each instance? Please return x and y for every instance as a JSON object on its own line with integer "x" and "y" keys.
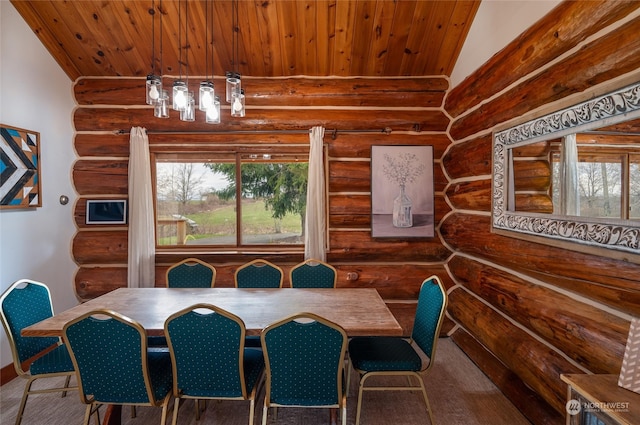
{"x": 36, "y": 94}
{"x": 497, "y": 22}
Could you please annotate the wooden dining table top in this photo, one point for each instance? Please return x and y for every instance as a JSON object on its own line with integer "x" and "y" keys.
{"x": 360, "y": 311}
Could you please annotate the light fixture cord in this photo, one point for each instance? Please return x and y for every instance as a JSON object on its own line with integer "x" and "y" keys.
{"x": 153, "y": 37}
{"x": 160, "y": 11}
{"x": 186, "y": 45}
{"x": 235, "y": 36}
{"x": 206, "y": 40}
{"x": 212, "y": 51}
{"x": 180, "y": 38}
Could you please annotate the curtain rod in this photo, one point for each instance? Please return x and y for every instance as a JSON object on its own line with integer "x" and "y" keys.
{"x": 333, "y": 132}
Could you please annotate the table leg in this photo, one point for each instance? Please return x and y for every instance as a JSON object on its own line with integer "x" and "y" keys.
{"x": 113, "y": 415}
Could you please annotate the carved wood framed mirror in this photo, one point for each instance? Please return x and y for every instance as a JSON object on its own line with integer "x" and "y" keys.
{"x": 573, "y": 175}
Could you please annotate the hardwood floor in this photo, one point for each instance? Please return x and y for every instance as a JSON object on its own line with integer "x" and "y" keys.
{"x": 459, "y": 393}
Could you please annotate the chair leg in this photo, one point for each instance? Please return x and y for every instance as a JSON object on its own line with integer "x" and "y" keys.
{"x": 347, "y": 370}
{"x": 197, "y": 403}
{"x": 23, "y": 402}
{"x": 264, "y": 414}
{"x": 87, "y": 415}
{"x": 251, "y": 411}
{"x": 176, "y": 404}
{"x": 421, "y": 387}
{"x": 165, "y": 409}
{"x": 426, "y": 400}
{"x": 66, "y": 385}
{"x": 92, "y": 408}
{"x": 359, "y": 405}
{"x": 163, "y": 419}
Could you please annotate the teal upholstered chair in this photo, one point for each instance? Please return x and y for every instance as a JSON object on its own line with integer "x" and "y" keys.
{"x": 258, "y": 274}
{"x": 313, "y": 274}
{"x": 113, "y": 364}
{"x": 191, "y": 273}
{"x": 209, "y": 358}
{"x": 304, "y": 357}
{"x": 188, "y": 273}
{"x": 24, "y": 303}
{"x": 389, "y": 356}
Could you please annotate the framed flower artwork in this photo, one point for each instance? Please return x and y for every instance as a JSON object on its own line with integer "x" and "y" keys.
{"x": 402, "y": 192}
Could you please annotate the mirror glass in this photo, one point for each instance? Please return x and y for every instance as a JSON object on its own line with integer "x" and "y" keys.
{"x": 607, "y": 173}
{"x": 573, "y": 174}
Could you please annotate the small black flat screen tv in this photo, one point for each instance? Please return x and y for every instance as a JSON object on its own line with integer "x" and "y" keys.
{"x": 107, "y": 212}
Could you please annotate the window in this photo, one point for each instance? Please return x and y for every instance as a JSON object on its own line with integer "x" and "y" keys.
{"x": 608, "y": 183}
{"x": 236, "y": 199}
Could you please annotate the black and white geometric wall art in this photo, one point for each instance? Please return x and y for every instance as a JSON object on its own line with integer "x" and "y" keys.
{"x": 20, "y": 177}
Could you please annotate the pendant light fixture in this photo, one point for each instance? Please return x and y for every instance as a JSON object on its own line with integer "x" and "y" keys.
{"x": 208, "y": 101}
{"x": 189, "y": 111}
{"x": 233, "y": 84}
{"x": 235, "y": 93}
{"x": 161, "y": 107}
{"x": 237, "y": 104}
{"x": 180, "y": 98}
{"x": 206, "y": 93}
{"x": 212, "y": 115}
{"x": 154, "y": 82}
{"x": 180, "y": 89}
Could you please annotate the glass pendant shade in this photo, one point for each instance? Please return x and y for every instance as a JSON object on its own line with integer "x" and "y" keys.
{"x": 233, "y": 85}
{"x": 212, "y": 115}
{"x": 154, "y": 89}
{"x": 189, "y": 112}
{"x": 205, "y": 98}
{"x": 161, "y": 108}
{"x": 180, "y": 95}
{"x": 237, "y": 104}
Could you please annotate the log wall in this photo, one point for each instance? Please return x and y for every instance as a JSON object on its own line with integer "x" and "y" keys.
{"x": 524, "y": 312}
{"x": 349, "y": 109}
{"x": 527, "y": 312}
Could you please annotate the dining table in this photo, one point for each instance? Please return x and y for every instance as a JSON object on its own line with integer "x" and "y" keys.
{"x": 359, "y": 311}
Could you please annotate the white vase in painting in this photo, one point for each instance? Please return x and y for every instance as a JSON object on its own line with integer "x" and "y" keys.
{"x": 402, "y": 216}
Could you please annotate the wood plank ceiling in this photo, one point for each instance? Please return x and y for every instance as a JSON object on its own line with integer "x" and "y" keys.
{"x": 276, "y": 38}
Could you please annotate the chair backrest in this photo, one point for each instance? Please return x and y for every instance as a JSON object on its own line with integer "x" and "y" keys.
{"x": 24, "y": 303}
{"x": 207, "y": 352}
{"x": 258, "y": 274}
{"x": 432, "y": 304}
{"x": 109, "y": 353}
{"x": 304, "y": 360}
{"x": 191, "y": 273}
{"x": 313, "y": 274}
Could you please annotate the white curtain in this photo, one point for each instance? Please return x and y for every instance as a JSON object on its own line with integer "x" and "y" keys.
{"x": 511, "y": 187}
{"x": 569, "y": 191}
{"x": 314, "y": 235}
{"x": 141, "y": 266}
